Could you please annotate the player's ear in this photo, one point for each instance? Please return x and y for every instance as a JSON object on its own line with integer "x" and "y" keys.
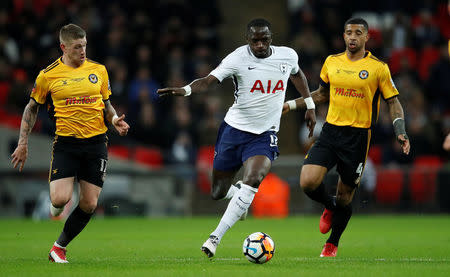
{"x": 367, "y": 36}
{"x": 62, "y": 46}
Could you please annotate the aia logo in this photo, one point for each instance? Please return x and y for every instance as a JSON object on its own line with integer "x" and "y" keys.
{"x": 258, "y": 86}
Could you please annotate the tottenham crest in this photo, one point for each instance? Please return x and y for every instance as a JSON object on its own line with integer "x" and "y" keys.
{"x": 283, "y": 67}
{"x": 93, "y": 78}
{"x": 363, "y": 74}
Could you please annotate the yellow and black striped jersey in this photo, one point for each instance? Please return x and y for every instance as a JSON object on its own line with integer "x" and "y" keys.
{"x": 77, "y": 95}
{"x": 355, "y": 88}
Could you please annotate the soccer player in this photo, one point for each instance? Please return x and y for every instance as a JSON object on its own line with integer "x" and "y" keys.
{"x": 247, "y": 137}
{"x": 352, "y": 82}
{"x": 77, "y": 89}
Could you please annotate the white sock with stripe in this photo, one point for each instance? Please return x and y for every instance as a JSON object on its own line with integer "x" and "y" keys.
{"x": 238, "y": 205}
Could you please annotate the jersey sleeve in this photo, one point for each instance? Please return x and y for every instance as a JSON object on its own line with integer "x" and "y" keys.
{"x": 295, "y": 67}
{"x": 386, "y": 84}
{"x": 226, "y": 68}
{"x": 324, "y": 72}
{"x": 106, "y": 86}
{"x": 40, "y": 89}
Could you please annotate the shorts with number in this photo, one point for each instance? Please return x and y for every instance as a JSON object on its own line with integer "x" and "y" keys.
{"x": 343, "y": 146}
{"x": 234, "y": 147}
{"x": 85, "y": 159}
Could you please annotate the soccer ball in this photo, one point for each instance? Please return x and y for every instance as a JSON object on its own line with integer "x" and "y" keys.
{"x": 258, "y": 248}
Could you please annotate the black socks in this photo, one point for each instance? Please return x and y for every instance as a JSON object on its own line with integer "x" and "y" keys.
{"x": 320, "y": 195}
{"x": 341, "y": 216}
{"x": 75, "y": 223}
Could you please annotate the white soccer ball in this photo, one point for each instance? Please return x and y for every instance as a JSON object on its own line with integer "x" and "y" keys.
{"x": 258, "y": 248}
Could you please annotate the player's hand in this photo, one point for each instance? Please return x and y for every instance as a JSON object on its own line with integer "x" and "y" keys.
{"x": 121, "y": 126}
{"x": 310, "y": 119}
{"x": 404, "y": 142}
{"x": 171, "y": 91}
{"x": 19, "y": 156}
{"x": 286, "y": 109}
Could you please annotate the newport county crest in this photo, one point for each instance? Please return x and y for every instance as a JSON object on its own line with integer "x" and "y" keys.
{"x": 93, "y": 78}
{"x": 283, "y": 67}
{"x": 363, "y": 74}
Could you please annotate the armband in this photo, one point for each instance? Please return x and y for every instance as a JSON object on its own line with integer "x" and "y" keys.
{"x": 188, "y": 90}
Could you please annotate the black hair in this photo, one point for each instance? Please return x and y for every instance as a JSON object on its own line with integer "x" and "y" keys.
{"x": 259, "y": 22}
{"x": 357, "y": 20}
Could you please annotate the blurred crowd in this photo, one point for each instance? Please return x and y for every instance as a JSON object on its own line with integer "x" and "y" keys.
{"x": 146, "y": 45}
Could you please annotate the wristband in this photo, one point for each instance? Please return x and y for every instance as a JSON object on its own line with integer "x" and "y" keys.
{"x": 399, "y": 127}
{"x": 292, "y": 105}
{"x": 114, "y": 117}
{"x": 188, "y": 90}
{"x": 309, "y": 103}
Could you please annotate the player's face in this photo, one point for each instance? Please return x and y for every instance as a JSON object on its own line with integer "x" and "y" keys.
{"x": 75, "y": 51}
{"x": 259, "y": 40}
{"x": 355, "y": 37}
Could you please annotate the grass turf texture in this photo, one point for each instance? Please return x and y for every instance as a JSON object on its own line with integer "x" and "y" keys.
{"x": 371, "y": 246}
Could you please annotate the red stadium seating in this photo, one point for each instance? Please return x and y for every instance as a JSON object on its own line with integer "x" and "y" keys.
{"x": 389, "y": 186}
{"x": 151, "y": 157}
{"x": 376, "y": 154}
{"x": 204, "y": 165}
{"x": 119, "y": 151}
{"x": 422, "y": 179}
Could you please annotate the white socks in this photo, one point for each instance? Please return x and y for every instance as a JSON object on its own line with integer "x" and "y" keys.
{"x": 238, "y": 205}
{"x": 232, "y": 190}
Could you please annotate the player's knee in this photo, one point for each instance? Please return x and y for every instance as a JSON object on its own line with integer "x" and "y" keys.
{"x": 59, "y": 200}
{"x": 253, "y": 179}
{"x": 308, "y": 182}
{"x": 88, "y": 206}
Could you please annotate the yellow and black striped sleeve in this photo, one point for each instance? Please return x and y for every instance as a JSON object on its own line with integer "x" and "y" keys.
{"x": 40, "y": 89}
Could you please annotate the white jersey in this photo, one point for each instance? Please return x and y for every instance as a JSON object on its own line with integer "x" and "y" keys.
{"x": 260, "y": 87}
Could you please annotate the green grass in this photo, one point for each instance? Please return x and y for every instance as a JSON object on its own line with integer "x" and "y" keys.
{"x": 371, "y": 246}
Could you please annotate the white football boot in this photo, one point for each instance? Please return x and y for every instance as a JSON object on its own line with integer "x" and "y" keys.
{"x": 210, "y": 246}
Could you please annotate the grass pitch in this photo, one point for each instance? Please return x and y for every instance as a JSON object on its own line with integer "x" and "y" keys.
{"x": 372, "y": 245}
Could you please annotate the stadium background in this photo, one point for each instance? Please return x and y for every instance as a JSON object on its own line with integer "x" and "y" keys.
{"x": 162, "y": 167}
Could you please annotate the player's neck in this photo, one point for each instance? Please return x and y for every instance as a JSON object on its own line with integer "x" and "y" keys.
{"x": 68, "y": 62}
{"x": 356, "y": 56}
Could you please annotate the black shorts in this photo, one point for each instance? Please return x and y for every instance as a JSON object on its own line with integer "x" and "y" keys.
{"x": 85, "y": 159}
{"x": 343, "y": 146}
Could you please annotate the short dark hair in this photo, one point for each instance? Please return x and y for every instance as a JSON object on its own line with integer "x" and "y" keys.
{"x": 70, "y": 32}
{"x": 357, "y": 20}
{"x": 259, "y": 22}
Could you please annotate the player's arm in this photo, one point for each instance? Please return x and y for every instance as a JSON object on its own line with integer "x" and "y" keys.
{"x": 398, "y": 120}
{"x": 20, "y": 154}
{"x": 319, "y": 96}
{"x": 198, "y": 85}
{"x": 300, "y": 83}
{"x": 118, "y": 122}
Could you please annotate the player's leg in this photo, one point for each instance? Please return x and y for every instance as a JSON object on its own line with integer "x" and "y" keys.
{"x": 81, "y": 215}
{"x": 60, "y": 193}
{"x": 352, "y": 157}
{"x": 222, "y": 184}
{"x": 341, "y": 217}
{"x": 255, "y": 169}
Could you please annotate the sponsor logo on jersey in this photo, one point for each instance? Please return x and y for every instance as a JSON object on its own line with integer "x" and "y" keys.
{"x": 348, "y": 92}
{"x": 363, "y": 74}
{"x": 93, "y": 78}
{"x": 393, "y": 85}
{"x": 80, "y": 100}
{"x": 258, "y": 86}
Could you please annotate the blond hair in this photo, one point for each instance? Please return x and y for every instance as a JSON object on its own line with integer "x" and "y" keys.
{"x": 71, "y": 32}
